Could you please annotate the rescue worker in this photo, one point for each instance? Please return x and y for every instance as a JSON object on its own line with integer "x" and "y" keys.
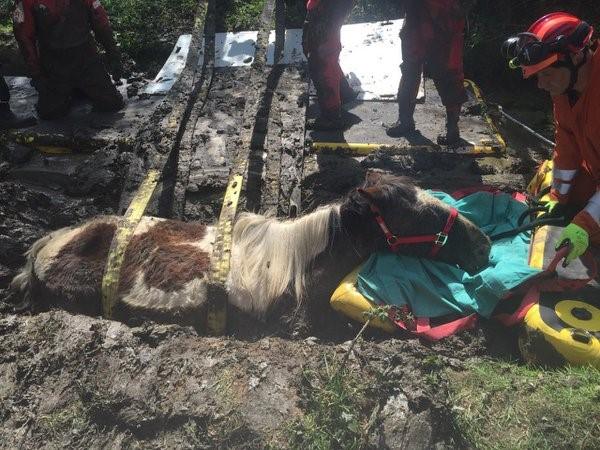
{"x": 322, "y": 46}
{"x": 8, "y": 119}
{"x": 559, "y": 51}
{"x": 56, "y": 42}
{"x": 432, "y": 38}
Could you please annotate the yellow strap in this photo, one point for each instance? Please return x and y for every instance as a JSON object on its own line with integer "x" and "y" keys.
{"x": 123, "y": 234}
{"x": 216, "y": 315}
{"x": 488, "y": 119}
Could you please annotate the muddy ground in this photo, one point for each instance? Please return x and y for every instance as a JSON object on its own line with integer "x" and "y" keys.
{"x": 77, "y": 381}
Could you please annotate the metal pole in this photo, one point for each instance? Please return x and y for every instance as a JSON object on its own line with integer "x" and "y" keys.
{"x": 525, "y": 127}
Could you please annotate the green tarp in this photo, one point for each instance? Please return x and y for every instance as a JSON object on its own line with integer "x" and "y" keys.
{"x": 432, "y": 288}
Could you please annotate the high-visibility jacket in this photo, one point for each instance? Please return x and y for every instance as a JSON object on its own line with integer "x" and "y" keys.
{"x": 55, "y": 25}
{"x": 576, "y": 175}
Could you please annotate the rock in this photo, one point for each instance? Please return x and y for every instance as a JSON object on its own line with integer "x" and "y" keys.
{"x": 17, "y": 154}
{"x": 4, "y": 169}
{"x": 394, "y": 418}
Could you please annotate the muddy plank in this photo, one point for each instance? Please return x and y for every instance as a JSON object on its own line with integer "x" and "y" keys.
{"x": 158, "y": 141}
{"x": 293, "y": 116}
{"x": 368, "y": 119}
{"x": 82, "y": 130}
{"x": 192, "y": 140}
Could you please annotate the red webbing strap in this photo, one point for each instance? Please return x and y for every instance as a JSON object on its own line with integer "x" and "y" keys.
{"x": 558, "y": 284}
{"x": 530, "y": 298}
{"x": 442, "y": 237}
{"x": 547, "y": 281}
{"x": 421, "y": 326}
{"x": 438, "y": 240}
{"x": 394, "y": 241}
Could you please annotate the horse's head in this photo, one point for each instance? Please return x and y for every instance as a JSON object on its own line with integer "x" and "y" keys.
{"x": 408, "y": 211}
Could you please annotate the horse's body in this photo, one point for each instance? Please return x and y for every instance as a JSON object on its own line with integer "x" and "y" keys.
{"x": 164, "y": 275}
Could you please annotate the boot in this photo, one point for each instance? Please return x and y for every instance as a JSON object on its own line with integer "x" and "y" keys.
{"x": 407, "y": 100}
{"x": 9, "y": 120}
{"x": 452, "y": 136}
{"x": 327, "y": 123}
{"x": 405, "y": 123}
{"x": 347, "y": 94}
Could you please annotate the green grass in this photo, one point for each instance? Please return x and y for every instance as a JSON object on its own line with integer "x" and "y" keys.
{"x": 334, "y": 411}
{"x": 73, "y": 417}
{"x": 500, "y": 405}
{"x": 145, "y": 27}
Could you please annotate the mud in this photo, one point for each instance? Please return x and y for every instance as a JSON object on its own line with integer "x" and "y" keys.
{"x": 73, "y": 381}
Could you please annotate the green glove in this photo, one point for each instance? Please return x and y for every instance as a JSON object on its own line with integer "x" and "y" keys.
{"x": 577, "y": 237}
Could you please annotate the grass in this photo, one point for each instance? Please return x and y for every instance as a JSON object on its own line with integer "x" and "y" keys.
{"x": 333, "y": 413}
{"x": 148, "y": 29}
{"x": 499, "y": 405}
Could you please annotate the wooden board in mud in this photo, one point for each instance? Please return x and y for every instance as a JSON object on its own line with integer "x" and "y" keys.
{"x": 82, "y": 130}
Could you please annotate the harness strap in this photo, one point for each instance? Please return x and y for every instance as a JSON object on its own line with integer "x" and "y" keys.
{"x": 438, "y": 240}
{"x": 421, "y": 326}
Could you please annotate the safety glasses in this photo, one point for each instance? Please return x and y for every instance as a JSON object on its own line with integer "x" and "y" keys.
{"x": 526, "y": 49}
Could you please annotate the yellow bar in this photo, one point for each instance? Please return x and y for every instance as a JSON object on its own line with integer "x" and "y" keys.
{"x": 359, "y": 149}
{"x": 487, "y": 118}
{"x": 536, "y": 258}
{"x": 354, "y": 147}
{"x": 52, "y": 150}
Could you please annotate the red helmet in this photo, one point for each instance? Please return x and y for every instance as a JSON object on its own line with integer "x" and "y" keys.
{"x": 546, "y": 40}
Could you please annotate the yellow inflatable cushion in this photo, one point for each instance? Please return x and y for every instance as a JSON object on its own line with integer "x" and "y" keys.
{"x": 576, "y": 343}
{"x": 347, "y": 300}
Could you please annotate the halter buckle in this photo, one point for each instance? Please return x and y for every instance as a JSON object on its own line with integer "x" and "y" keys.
{"x": 440, "y": 239}
{"x": 392, "y": 240}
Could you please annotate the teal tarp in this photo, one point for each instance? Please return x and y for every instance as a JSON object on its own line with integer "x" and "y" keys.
{"x": 432, "y": 288}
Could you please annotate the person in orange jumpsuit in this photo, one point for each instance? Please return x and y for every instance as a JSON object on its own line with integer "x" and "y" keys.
{"x": 432, "y": 38}
{"x": 322, "y": 46}
{"x": 559, "y": 50}
{"x": 55, "y": 38}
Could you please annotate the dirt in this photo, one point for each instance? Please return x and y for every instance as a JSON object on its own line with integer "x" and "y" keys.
{"x": 73, "y": 381}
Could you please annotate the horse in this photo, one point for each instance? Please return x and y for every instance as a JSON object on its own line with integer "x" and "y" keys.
{"x": 166, "y": 266}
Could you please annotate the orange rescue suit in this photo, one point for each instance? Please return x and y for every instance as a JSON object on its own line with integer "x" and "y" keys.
{"x": 577, "y": 153}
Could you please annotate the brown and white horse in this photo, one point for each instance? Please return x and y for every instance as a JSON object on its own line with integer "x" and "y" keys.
{"x": 164, "y": 275}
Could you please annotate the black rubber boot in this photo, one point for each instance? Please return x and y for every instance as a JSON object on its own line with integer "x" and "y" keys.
{"x": 9, "y": 120}
{"x": 407, "y": 100}
{"x": 405, "y": 123}
{"x": 452, "y": 136}
{"x": 327, "y": 123}
{"x": 347, "y": 93}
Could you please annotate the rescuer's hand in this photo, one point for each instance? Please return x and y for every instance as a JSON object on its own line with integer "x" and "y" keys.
{"x": 577, "y": 238}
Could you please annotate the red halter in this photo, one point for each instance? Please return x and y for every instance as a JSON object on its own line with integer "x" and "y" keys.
{"x": 438, "y": 240}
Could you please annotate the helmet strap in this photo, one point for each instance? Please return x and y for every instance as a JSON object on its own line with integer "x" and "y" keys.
{"x": 574, "y": 69}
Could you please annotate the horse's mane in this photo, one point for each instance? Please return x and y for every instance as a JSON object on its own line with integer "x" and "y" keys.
{"x": 271, "y": 256}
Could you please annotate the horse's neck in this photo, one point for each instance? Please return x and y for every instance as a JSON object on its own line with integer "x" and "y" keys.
{"x": 271, "y": 257}
{"x": 333, "y": 265}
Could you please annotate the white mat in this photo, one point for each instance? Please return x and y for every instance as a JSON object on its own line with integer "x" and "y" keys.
{"x": 371, "y": 57}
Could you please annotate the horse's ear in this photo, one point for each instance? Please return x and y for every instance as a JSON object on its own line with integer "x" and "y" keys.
{"x": 370, "y": 193}
{"x": 373, "y": 178}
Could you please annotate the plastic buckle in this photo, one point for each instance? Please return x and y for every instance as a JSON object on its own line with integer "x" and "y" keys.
{"x": 392, "y": 241}
{"x": 440, "y": 239}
